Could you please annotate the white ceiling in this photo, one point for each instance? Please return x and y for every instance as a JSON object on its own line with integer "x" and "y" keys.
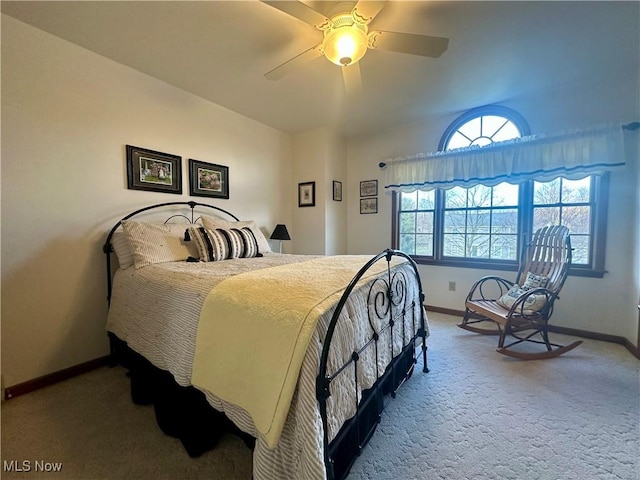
{"x": 220, "y": 51}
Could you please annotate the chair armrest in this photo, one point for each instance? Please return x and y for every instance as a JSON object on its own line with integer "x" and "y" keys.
{"x": 478, "y": 289}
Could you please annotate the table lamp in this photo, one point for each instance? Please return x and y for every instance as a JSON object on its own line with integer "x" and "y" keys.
{"x": 280, "y": 233}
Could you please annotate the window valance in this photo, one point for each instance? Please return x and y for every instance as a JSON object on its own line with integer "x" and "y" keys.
{"x": 572, "y": 154}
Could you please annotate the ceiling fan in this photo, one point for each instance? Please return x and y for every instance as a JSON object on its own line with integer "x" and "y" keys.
{"x": 347, "y": 37}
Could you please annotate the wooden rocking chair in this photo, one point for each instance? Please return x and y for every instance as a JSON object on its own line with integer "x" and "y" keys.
{"x": 522, "y": 309}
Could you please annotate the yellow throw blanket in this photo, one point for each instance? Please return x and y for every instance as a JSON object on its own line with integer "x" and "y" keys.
{"x": 254, "y": 330}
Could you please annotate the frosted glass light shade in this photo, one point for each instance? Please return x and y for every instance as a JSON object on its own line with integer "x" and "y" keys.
{"x": 345, "y": 45}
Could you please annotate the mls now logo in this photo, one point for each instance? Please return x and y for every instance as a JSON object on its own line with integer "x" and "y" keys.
{"x": 27, "y": 466}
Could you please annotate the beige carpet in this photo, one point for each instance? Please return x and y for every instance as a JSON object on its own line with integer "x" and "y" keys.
{"x": 477, "y": 415}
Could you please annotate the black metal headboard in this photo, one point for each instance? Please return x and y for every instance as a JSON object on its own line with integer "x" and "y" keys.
{"x": 107, "y": 248}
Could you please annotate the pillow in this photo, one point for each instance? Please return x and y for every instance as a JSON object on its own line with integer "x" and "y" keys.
{"x": 120, "y": 245}
{"x": 157, "y": 243}
{"x": 249, "y": 242}
{"x": 535, "y": 281}
{"x": 533, "y": 303}
{"x": 223, "y": 244}
{"x": 212, "y": 223}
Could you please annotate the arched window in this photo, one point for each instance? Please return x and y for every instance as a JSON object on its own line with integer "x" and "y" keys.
{"x": 483, "y": 126}
{"x": 486, "y": 225}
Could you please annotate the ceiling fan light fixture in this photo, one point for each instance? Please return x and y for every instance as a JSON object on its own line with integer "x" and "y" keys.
{"x": 345, "y": 45}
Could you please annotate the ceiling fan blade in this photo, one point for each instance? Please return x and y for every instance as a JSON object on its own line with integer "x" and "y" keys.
{"x": 366, "y": 10}
{"x": 413, "y": 44}
{"x": 300, "y": 11}
{"x": 297, "y": 61}
{"x": 352, "y": 79}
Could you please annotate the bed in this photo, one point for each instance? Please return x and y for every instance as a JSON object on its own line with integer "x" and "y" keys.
{"x": 200, "y": 313}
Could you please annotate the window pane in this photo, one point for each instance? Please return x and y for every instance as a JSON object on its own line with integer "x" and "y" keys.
{"x": 424, "y": 222}
{"x": 491, "y": 124}
{"x": 504, "y": 247}
{"x": 479, "y": 196}
{"x": 454, "y": 221}
{"x": 458, "y": 140}
{"x": 576, "y": 191}
{"x": 408, "y": 201}
{"x": 546, "y": 193}
{"x": 505, "y": 195}
{"x": 507, "y": 132}
{"x": 408, "y": 244}
{"x": 478, "y": 246}
{"x": 424, "y": 245}
{"x": 454, "y": 245}
{"x": 426, "y": 200}
{"x": 455, "y": 198}
{"x": 478, "y": 221}
{"x": 580, "y": 253}
{"x": 407, "y": 223}
{"x": 505, "y": 221}
{"x": 545, "y": 216}
{"x": 471, "y": 129}
{"x": 577, "y": 219}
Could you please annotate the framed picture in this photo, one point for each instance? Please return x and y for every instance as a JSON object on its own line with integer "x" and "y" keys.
{"x": 369, "y": 205}
{"x": 337, "y": 191}
{"x": 369, "y": 188}
{"x": 208, "y": 179}
{"x": 153, "y": 171}
{"x": 307, "y": 194}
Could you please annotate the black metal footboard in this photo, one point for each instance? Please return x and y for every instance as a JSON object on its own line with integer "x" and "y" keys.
{"x": 386, "y": 306}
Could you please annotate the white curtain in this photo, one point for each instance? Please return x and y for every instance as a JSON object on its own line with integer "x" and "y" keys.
{"x": 572, "y": 154}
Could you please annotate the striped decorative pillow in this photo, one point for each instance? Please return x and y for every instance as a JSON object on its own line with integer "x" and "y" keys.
{"x": 223, "y": 244}
{"x": 212, "y": 223}
{"x": 233, "y": 240}
{"x": 249, "y": 243}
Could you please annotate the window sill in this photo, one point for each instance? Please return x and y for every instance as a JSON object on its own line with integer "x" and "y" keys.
{"x": 496, "y": 265}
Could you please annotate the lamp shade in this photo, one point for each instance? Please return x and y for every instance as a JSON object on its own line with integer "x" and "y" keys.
{"x": 280, "y": 233}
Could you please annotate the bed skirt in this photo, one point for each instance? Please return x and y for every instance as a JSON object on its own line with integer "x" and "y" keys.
{"x": 184, "y": 413}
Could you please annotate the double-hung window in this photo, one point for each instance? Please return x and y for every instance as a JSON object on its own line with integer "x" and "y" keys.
{"x": 486, "y": 225}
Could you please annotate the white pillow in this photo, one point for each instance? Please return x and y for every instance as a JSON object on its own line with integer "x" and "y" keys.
{"x": 533, "y": 303}
{"x": 535, "y": 281}
{"x": 157, "y": 243}
{"x": 211, "y": 223}
{"x": 120, "y": 245}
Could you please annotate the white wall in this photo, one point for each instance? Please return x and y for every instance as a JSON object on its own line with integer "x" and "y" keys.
{"x": 309, "y": 152}
{"x": 67, "y": 115}
{"x": 606, "y": 305}
{"x": 336, "y": 212}
{"x": 320, "y": 157}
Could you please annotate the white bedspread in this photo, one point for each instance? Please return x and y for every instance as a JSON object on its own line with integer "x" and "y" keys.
{"x": 155, "y": 310}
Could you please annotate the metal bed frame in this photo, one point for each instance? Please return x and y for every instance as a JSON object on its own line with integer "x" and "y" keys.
{"x": 387, "y": 304}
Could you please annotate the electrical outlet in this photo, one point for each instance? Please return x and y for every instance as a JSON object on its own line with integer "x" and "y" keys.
{"x": 452, "y": 286}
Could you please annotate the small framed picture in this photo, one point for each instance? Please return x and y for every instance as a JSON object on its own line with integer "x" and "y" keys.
{"x": 369, "y": 188}
{"x": 369, "y": 205}
{"x": 307, "y": 194}
{"x": 208, "y": 179}
{"x": 337, "y": 191}
{"x": 153, "y": 171}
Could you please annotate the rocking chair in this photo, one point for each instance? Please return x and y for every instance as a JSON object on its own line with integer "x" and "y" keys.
{"x": 522, "y": 309}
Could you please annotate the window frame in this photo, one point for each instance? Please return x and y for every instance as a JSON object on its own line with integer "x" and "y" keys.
{"x": 599, "y": 191}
